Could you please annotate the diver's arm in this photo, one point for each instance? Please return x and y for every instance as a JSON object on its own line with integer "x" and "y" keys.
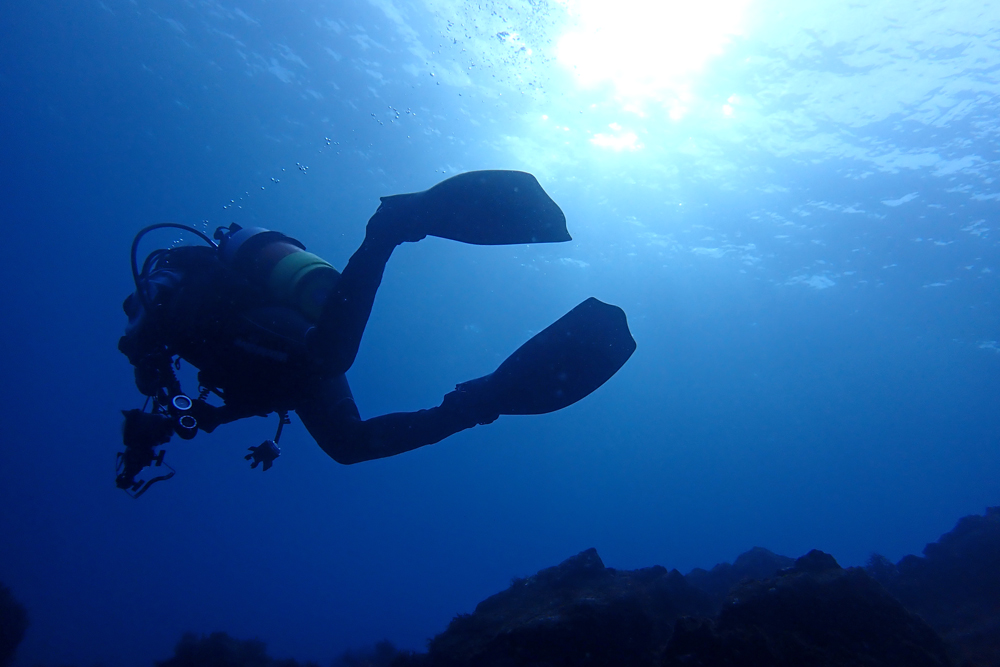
{"x": 210, "y": 417}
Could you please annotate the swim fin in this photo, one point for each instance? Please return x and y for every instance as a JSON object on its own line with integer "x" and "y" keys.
{"x": 492, "y": 207}
{"x": 556, "y": 368}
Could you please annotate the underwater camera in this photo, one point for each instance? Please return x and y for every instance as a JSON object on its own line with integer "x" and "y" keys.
{"x": 141, "y": 465}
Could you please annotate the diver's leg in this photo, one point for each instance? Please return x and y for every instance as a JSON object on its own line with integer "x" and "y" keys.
{"x": 338, "y": 332}
{"x": 337, "y": 335}
{"x": 332, "y": 419}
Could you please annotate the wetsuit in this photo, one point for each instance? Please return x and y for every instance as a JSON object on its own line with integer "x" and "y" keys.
{"x": 262, "y": 356}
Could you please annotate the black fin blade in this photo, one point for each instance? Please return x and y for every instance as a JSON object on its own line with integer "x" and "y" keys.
{"x": 492, "y": 207}
{"x": 565, "y": 362}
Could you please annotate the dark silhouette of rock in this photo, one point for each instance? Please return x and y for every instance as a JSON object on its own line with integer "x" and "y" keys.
{"x": 13, "y": 625}
{"x": 816, "y": 562}
{"x": 221, "y": 650}
{"x": 582, "y": 613}
{"x": 758, "y": 563}
{"x": 578, "y": 612}
{"x": 955, "y": 587}
{"x": 381, "y": 654}
{"x": 764, "y": 610}
{"x": 814, "y": 614}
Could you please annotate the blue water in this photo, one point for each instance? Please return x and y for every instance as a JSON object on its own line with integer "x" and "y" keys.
{"x": 800, "y": 223}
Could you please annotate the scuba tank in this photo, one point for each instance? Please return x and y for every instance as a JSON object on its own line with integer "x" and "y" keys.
{"x": 280, "y": 265}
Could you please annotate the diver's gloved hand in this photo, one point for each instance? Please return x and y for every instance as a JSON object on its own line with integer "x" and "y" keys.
{"x": 472, "y": 402}
{"x": 264, "y": 453}
{"x": 393, "y": 226}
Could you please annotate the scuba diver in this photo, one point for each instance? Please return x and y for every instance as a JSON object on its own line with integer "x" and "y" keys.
{"x": 272, "y": 328}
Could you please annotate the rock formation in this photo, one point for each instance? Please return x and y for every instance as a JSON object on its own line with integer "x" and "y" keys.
{"x": 763, "y": 610}
{"x": 13, "y": 625}
{"x": 955, "y": 586}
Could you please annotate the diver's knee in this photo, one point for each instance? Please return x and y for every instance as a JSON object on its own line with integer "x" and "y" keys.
{"x": 347, "y": 446}
{"x": 341, "y": 456}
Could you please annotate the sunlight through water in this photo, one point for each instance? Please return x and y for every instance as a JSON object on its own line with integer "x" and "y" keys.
{"x": 647, "y": 50}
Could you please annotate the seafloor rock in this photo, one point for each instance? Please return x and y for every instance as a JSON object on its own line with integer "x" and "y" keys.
{"x": 577, "y": 613}
{"x": 955, "y": 587}
{"x": 13, "y": 625}
{"x": 764, "y": 610}
{"x": 582, "y": 613}
{"x": 814, "y": 613}
{"x": 382, "y": 654}
{"x": 221, "y": 650}
{"x": 758, "y": 563}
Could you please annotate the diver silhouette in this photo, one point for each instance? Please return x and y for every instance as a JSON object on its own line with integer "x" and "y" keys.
{"x": 272, "y": 328}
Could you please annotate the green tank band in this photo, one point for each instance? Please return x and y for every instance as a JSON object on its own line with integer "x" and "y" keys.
{"x": 288, "y": 274}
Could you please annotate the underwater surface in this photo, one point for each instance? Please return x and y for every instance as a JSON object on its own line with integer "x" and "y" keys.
{"x": 795, "y": 204}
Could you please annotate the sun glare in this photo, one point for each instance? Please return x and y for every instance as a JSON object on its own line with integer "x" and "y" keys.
{"x": 648, "y": 49}
{"x": 619, "y": 141}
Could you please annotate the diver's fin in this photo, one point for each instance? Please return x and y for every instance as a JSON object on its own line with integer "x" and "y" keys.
{"x": 484, "y": 208}
{"x": 565, "y": 362}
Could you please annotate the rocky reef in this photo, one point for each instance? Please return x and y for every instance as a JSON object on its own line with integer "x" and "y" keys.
{"x": 763, "y": 609}
{"x": 220, "y": 650}
{"x": 955, "y": 586}
{"x": 939, "y": 609}
{"x": 13, "y": 625}
{"x": 580, "y": 612}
